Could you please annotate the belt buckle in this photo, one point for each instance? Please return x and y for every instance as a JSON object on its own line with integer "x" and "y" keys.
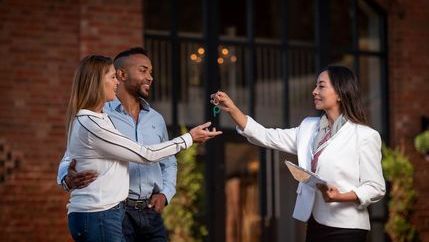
{"x": 140, "y": 204}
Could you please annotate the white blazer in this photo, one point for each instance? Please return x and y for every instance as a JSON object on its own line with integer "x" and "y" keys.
{"x": 351, "y": 161}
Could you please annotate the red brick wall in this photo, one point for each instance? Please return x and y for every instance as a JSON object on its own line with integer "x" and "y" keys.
{"x": 41, "y": 43}
{"x": 408, "y": 43}
{"x": 110, "y": 27}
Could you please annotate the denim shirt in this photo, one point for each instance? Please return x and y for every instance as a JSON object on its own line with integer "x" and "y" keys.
{"x": 145, "y": 179}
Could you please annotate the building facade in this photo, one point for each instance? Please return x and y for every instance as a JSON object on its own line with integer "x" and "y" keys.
{"x": 265, "y": 54}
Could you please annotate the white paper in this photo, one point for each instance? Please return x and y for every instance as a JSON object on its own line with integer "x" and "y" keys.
{"x": 305, "y": 176}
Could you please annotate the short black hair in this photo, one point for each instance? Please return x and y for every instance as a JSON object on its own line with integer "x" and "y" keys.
{"x": 132, "y": 51}
{"x": 119, "y": 59}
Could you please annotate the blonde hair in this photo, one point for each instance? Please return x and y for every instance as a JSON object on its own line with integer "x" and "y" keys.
{"x": 87, "y": 89}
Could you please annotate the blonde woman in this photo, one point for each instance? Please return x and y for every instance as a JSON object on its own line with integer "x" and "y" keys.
{"x": 95, "y": 212}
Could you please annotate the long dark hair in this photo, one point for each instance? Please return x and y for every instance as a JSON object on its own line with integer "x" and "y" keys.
{"x": 346, "y": 86}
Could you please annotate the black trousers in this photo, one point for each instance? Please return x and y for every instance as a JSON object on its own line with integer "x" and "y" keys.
{"x": 143, "y": 225}
{"x": 321, "y": 233}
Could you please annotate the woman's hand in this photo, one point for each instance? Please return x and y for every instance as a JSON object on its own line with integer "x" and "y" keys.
{"x": 332, "y": 194}
{"x": 329, "y": 193}
{"x": 224, "y": 102}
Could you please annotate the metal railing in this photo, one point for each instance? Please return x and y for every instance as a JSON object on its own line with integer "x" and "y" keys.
{"x": 269, "y": 82}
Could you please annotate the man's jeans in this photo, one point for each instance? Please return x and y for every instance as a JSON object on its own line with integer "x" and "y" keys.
{"x": 104, "y": 226}
{"x": 143, "y": 225}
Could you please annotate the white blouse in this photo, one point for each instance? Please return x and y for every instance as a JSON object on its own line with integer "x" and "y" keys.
{"x": 96, "y": 145}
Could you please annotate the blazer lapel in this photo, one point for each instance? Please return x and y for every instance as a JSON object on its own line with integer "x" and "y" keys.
{"x": 306, "y": 136}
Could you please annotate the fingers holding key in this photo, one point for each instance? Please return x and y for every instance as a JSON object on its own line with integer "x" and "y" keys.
{"x": 222, "y": 100}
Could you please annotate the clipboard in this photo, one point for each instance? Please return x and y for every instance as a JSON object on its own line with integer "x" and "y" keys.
{"x": 305, "y": 176}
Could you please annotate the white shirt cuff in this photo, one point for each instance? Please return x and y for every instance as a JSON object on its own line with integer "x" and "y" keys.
{"x": 188, "y": 139}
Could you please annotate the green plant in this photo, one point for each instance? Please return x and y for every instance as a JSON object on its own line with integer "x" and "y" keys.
{"x": 421, "y": 142}
{"x": 399, "y": 171}
{"x": 182, "y": 216}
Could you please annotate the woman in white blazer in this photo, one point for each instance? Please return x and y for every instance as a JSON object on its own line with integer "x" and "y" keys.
{"x": 338, "y": 146}
{"x": 95, "y": 212}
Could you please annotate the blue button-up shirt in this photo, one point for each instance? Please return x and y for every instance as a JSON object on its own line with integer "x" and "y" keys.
{"x": 150, "y": 128}
{"x": 145, "y": 179}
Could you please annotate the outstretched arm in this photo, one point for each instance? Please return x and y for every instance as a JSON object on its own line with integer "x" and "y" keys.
{"x": 279, "y": 139}
{"x": 110, "y": 144}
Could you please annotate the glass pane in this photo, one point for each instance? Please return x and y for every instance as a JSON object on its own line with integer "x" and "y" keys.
{"x": 342, "y": 59}
{"x": 231, "y": 61}
{"x": 190, "y": 16}
{"x": 369, "y": 27}
{"x": 269, "y": 86}
{"x": 243, "y": 220}
{"x": 340, "y": 24}
{"x": 301, "y": 21}
{"x": 370, "y": 83}
{"x": 191, "y": 93}
{"x": 270, "y": 14}
{"x": 302, "y": 79}
{"x": 153, "y": 12}
{"x": 161, "y": 93}
{"x": 232, "y": 18}
{"x": 191, "y": 97}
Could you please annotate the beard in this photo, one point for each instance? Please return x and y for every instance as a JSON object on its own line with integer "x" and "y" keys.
{"x": 145, "y": 94}
{"x": 137, "y": 89}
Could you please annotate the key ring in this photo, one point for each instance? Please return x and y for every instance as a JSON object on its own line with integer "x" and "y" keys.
{"x": 215, "y": 102}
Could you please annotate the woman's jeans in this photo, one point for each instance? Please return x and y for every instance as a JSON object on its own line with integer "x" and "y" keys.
{"x": 104, "y": 226}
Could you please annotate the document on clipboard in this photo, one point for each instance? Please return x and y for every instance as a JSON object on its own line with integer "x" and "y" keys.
{"x": 302, "y": 175}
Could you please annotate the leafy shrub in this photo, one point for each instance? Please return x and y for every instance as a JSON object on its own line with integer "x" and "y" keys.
{"x": 182, "y": 216}
{"x": 399, "y": 172}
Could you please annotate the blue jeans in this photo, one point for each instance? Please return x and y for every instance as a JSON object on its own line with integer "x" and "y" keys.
{"x": 104, "y": 226}
{"x": 143, "y": 225}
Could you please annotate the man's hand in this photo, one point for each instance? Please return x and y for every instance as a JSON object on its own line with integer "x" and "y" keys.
{"x": 201, "y": 133}
{"x": 157, "y": 202}
{"x": 78, "y": 180}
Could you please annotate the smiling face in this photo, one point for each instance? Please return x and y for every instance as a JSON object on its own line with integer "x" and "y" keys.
{"x": 138, "y": 75}
{"x": 110, "y": 84}
{"x": 324, "y": 95}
